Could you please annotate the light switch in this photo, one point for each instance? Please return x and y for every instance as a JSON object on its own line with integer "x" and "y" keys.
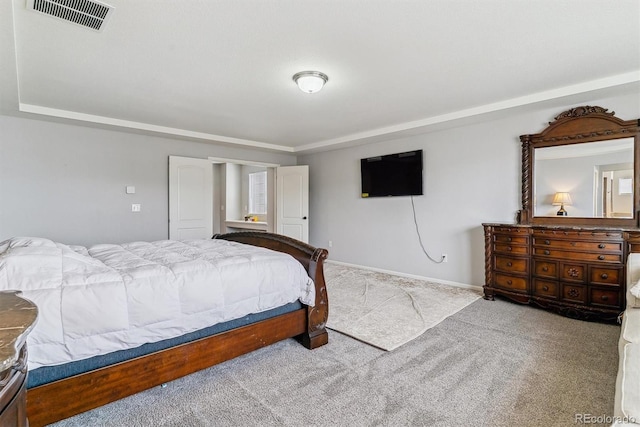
{"x": 135, "y": 207}
{"x": 131, "y": 189}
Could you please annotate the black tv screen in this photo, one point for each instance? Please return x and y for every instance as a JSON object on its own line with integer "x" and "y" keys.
{"x": 397, "y": 174}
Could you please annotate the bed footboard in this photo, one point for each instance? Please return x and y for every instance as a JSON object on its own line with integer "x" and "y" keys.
{"x": 313, "y": 261}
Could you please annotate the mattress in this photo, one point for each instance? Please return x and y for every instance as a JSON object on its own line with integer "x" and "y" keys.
{"x": 108, "y": 297}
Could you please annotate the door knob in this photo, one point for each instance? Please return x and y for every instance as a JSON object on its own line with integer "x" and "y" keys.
{"x": 304, "y": 217}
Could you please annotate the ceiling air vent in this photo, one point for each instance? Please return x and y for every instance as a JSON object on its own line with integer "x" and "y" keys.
{"x": 87, "y": 13}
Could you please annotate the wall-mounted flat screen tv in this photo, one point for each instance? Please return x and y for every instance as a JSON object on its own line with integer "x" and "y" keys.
{"x": 397, "y": 174}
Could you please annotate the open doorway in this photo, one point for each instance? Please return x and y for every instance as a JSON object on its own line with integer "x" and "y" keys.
{"x": 245, "y": 197}
{"x": 614, "y": 190}
{"x": 237, "y": 196}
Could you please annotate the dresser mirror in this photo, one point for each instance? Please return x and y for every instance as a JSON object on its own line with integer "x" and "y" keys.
{"x": 596, "y": 178}
{"x": 583, "y": 169}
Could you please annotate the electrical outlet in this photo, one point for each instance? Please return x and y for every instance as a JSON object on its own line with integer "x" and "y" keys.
{"x": 445, "y": 258}
{"x": 330, "y": 243}
{"x": 135, "y": 207}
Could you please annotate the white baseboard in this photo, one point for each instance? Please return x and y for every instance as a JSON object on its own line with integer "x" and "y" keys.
{"x": 410, "y": 276}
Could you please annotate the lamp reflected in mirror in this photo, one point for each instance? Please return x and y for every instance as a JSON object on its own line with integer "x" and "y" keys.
{"x": 561, "y": 199}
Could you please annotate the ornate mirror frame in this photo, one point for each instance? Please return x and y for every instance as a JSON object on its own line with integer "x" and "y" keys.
{"x": 575, "y": 126}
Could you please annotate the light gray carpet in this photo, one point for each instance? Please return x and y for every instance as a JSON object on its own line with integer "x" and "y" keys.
{"x": 494, "y": 363}
{"x": 386, "y": 310}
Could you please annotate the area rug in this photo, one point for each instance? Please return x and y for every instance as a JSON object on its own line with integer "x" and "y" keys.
{"x": 387, "y": 311}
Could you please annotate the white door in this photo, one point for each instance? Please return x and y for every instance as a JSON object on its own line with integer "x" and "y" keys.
{"x": 190, "y": 198}
{"x": 292, "y": 202}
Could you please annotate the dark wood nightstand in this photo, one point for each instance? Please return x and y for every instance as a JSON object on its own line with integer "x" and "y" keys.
{"x": 17, "y": 318}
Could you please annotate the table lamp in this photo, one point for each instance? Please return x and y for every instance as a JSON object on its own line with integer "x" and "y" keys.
{"x": 561, "y": 199}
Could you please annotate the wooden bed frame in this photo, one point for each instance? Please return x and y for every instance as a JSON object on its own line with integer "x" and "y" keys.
{"x": 70, "y": 396}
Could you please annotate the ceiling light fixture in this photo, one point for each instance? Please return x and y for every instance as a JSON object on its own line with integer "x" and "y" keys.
{"x": 310, "y": 81}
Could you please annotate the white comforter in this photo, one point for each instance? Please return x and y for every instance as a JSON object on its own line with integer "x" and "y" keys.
{"x": 111, "y": 297}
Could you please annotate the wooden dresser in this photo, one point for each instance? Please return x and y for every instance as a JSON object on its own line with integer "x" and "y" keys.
{"x": 571, "y": 261}
{"x": 17, "y": 318}
{"x": 575, "y": 271}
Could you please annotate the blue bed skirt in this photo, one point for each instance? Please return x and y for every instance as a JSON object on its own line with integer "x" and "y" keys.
{"x": 47, "y": 374}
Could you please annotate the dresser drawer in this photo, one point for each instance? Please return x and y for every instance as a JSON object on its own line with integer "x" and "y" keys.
{"x": 578, "y": 256}
{"x": 544, "y": 268}
{"x": 574, "y": 293}
{"x": 506, "y": 238}
{"x": 518, "y": 284}
{"x": 513, "y": 231}
{"x": 605, "y": 276}
{"x": 578, "y": 235}
{"x": 545, "y": 288}
{"x": 586, "y": 245}
{"x": 573, "y": 272}
{"x": 509, "y": 265}
{"x": 507, "y": 248}
{"x": 604, "y": 297}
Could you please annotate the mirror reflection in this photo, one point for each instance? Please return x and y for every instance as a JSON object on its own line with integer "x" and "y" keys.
{"x": 588, "y": 180}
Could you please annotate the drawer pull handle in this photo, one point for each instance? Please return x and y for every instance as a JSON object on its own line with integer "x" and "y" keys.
{"x": 509, "y": 248}
{"x": 509, "y": 264}
{"x": 602, "y": 246}
{"x": 573, "y": 272}
{"x": 604, "y": 276}
{"x": 604, "y": 298}
{"x": 547, "y": 242}
{"x": 545, "y": 268}
{"x": 573, "y": 292}
{"x": 545, "y": 288}
{"x": 600, "y": 257}
{"x": 509, "y": 239}
{"x": 546, "y": 252}
{"x": 509, "y": 282}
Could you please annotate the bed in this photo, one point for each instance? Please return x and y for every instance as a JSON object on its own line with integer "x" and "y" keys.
{"x": 166, "y": 333}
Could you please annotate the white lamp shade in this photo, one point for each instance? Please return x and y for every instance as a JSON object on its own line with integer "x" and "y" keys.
{"x": 310, "y": 81}
{"x": 561, "y": 199}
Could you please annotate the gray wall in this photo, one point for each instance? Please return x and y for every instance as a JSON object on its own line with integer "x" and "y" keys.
{"x": 471, "y": 175}
{"x": 67, "y": 183}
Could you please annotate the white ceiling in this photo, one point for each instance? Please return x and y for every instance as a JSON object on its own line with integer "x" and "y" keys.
{"x": 221, "y": 70}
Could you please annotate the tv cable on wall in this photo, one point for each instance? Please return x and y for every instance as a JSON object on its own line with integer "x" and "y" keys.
{"x": 397, "y": 174}
{"x": 415, "y": 221}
